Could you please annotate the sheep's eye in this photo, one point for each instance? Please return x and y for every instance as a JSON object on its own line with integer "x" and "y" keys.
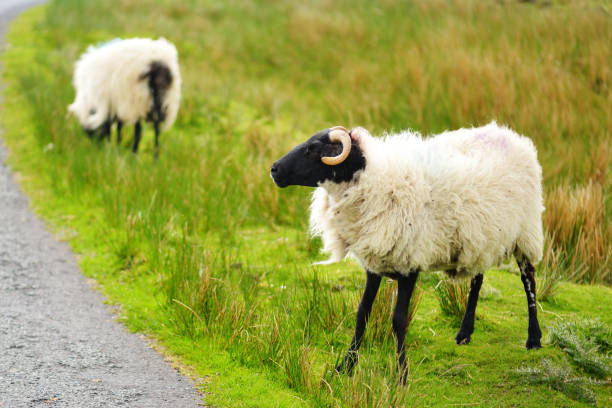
{"x": 92, "y": 111}
{"x": 313, "y": 149}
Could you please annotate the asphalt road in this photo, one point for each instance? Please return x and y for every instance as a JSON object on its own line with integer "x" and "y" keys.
{"x": 59, "y": 344}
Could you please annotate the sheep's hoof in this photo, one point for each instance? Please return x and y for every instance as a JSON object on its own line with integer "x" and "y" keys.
{"x": 347, "y": 364}
{"x": 533, "y": 344}
{"x": 344, "y": 369}
{"x": 463, "y": 338}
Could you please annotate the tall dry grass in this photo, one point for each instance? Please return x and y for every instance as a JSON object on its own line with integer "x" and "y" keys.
{"x": 581, "y": 233}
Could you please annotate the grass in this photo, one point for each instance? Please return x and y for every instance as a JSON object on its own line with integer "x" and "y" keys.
{"x": 205, "y": 254}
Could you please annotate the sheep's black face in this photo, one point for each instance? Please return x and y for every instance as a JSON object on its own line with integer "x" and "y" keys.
{"x": 90, "y": 132}
{"x": 302, "y": 166}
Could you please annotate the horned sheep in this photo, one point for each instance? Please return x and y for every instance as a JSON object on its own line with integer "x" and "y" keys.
{"x": 461, "y": 201}
{"x": 125, "y": 81}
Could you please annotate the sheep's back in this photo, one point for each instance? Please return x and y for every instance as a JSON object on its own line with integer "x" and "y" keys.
{"x": 492, "y": 181}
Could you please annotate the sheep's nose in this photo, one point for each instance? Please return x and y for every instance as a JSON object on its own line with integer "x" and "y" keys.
{"x": 274, "y": 170}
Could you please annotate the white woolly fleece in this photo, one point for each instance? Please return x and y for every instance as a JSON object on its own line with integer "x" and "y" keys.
{"x": 106, "y": 80}
{"x": 464, "y": 199}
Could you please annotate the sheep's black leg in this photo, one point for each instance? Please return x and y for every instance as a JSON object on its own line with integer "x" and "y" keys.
{"x": 405, "y": 287}
{"x": 119, "y": 126}
{"x": 365, "y": 307}
{"x": 137, "y": 132}
{"x": 467, "y": 324}
{"x": 156, "y": 126}
{"x": 534, "y": 334}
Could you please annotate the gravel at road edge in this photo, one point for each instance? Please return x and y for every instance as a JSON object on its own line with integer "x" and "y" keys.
{"x": 59, "y": 344}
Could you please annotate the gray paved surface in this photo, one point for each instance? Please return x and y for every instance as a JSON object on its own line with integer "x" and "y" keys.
{"x": 59, "y": 344}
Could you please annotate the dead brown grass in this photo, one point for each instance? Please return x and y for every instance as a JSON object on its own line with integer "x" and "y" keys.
{"x": 581, "y": 235}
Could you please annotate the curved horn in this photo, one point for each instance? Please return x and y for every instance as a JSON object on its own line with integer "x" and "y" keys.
{"x": 338, "y": 134}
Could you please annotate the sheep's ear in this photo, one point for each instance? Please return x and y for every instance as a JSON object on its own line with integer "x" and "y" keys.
{"x": 357, "y": 134}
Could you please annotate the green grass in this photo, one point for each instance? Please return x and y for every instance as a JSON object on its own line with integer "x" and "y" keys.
{"x": 207, "y": 256}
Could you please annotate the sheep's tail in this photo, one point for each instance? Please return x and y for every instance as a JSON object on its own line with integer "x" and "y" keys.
{"x": 530, "y": 243}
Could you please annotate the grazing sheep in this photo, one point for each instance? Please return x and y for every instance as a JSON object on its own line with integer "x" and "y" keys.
{"x": 125, "y": 81}
{"x": 461, "y": 201}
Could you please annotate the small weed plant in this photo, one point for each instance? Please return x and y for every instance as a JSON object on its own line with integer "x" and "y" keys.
{"x": 587, "y": 342}
{"x": 559, "y": 378}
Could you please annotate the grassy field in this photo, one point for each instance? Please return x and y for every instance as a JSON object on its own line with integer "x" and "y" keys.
{"x": 208, "y": 257}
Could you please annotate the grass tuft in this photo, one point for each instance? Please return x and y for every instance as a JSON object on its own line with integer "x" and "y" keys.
{"x": 452, "y": 296}
{"x": 550, "y": 271}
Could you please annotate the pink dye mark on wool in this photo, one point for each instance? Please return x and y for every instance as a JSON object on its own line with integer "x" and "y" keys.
{"x": 496, "y": 141}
